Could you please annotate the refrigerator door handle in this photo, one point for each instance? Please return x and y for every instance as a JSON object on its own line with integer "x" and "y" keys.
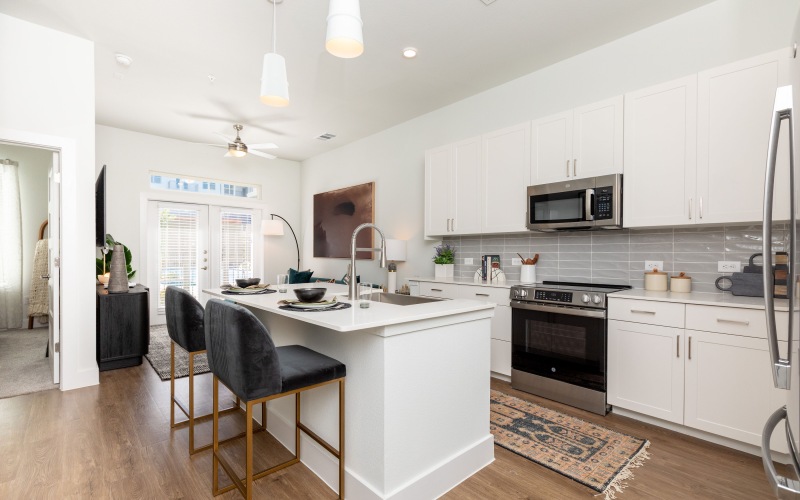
{"x": 784, "y": 488}
{"x": 781, "y": 367}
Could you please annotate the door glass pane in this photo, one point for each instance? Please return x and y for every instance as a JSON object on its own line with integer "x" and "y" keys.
{"x": 178, "y": 241}
{"x": 236, "y": 246}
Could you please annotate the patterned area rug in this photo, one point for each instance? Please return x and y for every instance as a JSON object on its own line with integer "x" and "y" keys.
{"x": 584, "y": 452}
{"x": 159, "y": 356}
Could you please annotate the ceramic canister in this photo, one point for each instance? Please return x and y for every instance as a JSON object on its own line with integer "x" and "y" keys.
{"x": 655, "y": 281}
{"x": 680, "y": 283}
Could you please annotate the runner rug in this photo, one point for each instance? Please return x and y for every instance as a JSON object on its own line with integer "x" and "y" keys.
{"x": 158, "y": 356}
{"x": 584, "y": 452}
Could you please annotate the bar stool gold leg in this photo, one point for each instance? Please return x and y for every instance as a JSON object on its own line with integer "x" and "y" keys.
{"x": 215, "y": 440}
{"x": 172, "y": 384}
{"x": 249, "y": 452}
{"x": 341, "y": 439}
{"x": 264, "y": 416}
{"x": 191, "y": 404}
{"x": 297, "y": 425}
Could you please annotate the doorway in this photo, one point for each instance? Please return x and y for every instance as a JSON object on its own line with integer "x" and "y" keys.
{"x": 29, "y": 279}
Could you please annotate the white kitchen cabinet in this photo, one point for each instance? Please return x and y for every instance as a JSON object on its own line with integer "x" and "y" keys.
{"x": 583, "y": 142}
{"x": 452, "y": 194}
{"x": 735, "y": 104}
{"x": 645, "y": 369}
{"x": 729, "y": 389}
{"x": 505, "y": 179}
{"x": 660, "y": 154}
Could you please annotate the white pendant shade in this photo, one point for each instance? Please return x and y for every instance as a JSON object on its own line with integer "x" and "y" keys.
{"x": 274, "y": 84}
{"x": 344, "y": 38}
{"x": 271, "y": 227}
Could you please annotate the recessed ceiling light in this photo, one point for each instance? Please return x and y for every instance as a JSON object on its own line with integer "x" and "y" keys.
{"x": 123, "y": 60}
{"x": 409, "y": 52}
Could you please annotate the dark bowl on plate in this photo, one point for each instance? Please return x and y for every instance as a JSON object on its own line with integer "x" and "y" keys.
{"x": 245, "y": 282}
{"x": 310, "y": 294}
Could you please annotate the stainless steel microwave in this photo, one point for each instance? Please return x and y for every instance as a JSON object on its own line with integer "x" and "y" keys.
{"x": 592, "y": 203}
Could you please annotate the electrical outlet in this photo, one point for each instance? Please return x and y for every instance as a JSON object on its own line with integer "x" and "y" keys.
{"x": 516, "y": 261}
{"x": 468, "y": 261}
{"x": 729, "y": 266}
{"x": 649, "y": 265}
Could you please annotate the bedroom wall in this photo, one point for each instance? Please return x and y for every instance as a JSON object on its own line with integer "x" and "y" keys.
{"x": 716, "y": 34}
{"x": 33, "y": 166}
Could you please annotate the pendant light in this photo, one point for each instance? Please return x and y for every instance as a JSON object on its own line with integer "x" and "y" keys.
{"x": 344, "y": 38}
{"x": 274, "y": 84}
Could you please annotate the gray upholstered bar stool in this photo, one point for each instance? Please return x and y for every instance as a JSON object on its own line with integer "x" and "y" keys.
{"x": 242, "y": 355}
{"x": 186, "y": 329}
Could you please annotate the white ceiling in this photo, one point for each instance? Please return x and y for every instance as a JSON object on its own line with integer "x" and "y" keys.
{"x": 465, "y": 47}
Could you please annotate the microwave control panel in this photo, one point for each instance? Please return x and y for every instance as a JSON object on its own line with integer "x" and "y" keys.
{"x": 604, "y": 203}
{"x": 553, "y": 296}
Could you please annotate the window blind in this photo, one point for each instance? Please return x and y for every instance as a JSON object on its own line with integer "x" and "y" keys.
{"x": 236, "y": 246}
{"x": 178, "y": 235}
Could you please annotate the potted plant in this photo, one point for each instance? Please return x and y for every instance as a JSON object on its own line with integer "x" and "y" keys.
{"x": 444, "y": 261}
{"x": 103, "y": 265}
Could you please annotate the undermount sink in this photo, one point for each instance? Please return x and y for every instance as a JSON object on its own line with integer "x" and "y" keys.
{"x": 402, "y": 300}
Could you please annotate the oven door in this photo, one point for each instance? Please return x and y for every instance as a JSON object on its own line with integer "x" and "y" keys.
{"x": 561, "y": 343}
{"x": 560, "y": 210}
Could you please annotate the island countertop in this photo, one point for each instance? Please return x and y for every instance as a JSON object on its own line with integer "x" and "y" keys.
{"x": 355, "y": 318}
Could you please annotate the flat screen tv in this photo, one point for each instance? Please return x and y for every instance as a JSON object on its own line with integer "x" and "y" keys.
{"x": 100, "y": 208}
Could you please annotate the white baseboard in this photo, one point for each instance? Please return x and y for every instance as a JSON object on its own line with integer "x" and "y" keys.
{"x": 448, "y": 474}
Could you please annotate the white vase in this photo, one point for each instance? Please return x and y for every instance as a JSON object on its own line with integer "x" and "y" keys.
{"x": 527, "y": 274}
{"x": 443, "y": 270}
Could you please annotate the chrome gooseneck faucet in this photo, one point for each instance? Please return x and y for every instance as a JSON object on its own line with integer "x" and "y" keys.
{"x": 353, "y": 286}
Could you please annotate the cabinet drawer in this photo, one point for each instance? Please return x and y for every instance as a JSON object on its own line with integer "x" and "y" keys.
{"x": 443, "y": 290}
{"x": 734, "y": 321}
{"x": 647, "y": 311}
{"x": 499, "y": 296}
{"x": 501, "y": 357}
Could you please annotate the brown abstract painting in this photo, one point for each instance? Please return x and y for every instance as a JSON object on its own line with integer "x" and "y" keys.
{"x": 336, "y": 215}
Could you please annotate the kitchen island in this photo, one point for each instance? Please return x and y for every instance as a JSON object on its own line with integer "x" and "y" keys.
{"x": 417, "y": 398}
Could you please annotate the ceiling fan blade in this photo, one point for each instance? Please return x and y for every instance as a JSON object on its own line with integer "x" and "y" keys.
{"x": 267, "y": 145}
{"x": 263, "y": 155}
{"x": 224, "y": 137}
{"x": 214, "y": 145}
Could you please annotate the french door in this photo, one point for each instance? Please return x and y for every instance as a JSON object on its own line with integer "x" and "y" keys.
{"x": 197, "y": 247}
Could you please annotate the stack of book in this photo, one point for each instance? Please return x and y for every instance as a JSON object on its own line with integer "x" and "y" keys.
{"x": 490, "y": 266}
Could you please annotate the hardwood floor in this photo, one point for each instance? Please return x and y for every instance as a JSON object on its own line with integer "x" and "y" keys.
{"x": 114, "y": 441}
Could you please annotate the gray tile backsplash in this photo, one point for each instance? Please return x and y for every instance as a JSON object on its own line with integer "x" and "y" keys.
{"x": 619, "y": 256}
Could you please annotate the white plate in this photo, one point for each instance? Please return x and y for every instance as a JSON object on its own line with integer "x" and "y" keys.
{"x": 315, "y": 305}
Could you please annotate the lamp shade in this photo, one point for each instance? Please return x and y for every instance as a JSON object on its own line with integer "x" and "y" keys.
{"x": 396, "y": 250}
{"x": 274, "y": 84}
{"x": 271, "y": 227}
{"x": 344, "y": 37}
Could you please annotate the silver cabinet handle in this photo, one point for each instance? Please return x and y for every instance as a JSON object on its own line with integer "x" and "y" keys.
{"x": 701, "y": 207}
{"x": 204, "y": 268}
{"x": 45, "y": 276}
{"x": 690, "y": 209}
{"x": 436, "y": 290}
{"x": 783, "y": 487}
{"x": 567, "y": 168}
{"x": 482, "y": 294}
{"x": 574, "y": 167}
{"x": 690, "y": 347}
{"x": 453, "y": 225}
{"x": 678, "y": 346}
{"x": 640, "y": 311}
{"x": 781, "y": 367}
{"x": 736, "y": 321}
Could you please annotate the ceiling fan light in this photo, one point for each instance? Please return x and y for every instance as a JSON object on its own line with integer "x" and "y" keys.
{"x": 344, "y": 37}
{"x": 237, "y": 150}
{"x": 274, "y": 84}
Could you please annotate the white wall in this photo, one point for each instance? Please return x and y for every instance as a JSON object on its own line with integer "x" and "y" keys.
{"x": 131, "y": 156}
{"x": 33, "y": 166}
{"x": 712, "y": 35}
{"x": 47, "y": 96}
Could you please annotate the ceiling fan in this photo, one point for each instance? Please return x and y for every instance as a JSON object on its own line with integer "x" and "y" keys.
{"x": 237, "y": 148}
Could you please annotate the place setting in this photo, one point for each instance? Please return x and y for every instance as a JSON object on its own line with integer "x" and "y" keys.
{"x": 247, "y": 286}
{"x": 312, "y": 300}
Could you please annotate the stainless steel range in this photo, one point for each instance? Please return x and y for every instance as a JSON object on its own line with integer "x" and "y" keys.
{"x": 558, "y": 342}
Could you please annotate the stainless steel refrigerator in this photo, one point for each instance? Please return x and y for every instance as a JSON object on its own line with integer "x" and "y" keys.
{"x": 784, "y": 357}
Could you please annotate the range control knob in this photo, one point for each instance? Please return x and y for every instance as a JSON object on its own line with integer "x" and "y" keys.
{"x": 596, "y": 299}
{"x": 520, "y": 293}
{"x": 585, "y": 298}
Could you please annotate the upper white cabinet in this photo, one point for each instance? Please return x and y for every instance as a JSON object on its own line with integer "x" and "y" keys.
{"x": 583, "y": 142}
{"x": 452, "y": 195}
{"x": 735, "y": 104}
{"x": 505, "y": 179}
{"x": 660, "y": 154}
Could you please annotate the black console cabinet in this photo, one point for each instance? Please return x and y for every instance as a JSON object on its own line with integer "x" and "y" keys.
{"x": 123, "y": 327}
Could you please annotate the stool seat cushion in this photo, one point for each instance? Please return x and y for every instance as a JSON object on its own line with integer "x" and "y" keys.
{"x": 302, "y": 367}
{"x": 185, "y": 319}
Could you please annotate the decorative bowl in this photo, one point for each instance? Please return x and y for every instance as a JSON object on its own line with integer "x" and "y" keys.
{"x": 310, "y": 294}
{"x": 245, "y": 282}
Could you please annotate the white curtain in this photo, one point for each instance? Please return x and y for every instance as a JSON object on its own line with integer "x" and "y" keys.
{"x": 10, "y": 247}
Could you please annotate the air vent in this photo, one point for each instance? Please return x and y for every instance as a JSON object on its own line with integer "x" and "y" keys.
{"x": 487, "y": 2}
{"x": 327, "y": 136}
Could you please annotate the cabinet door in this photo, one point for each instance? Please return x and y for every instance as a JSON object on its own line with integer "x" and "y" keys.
{"x": 500, "y": 361}
{"x": 597, "y": 139}
{"x": 645, "y": 369}
{"x": 551, "y": 148}
{"x": 729, "y": 388}
{"x": 660, "y": 154}
{"x": 506, "y": 175}
{"x": 437, "y": 190}
{"x": 734, "y": 114}
{"x": 466, "y": 175}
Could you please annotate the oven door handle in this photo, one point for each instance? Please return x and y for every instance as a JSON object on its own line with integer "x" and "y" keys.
{"x": 568, "y": 311}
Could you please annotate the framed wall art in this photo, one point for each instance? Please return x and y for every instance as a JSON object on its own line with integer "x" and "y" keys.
{"x": 336, "y": 215}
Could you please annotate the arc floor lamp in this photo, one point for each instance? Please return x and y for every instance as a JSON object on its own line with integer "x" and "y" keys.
{"x": 272, "y": 227}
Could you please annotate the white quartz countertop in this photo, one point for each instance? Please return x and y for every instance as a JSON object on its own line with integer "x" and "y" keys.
{"x": 700, "y": 298}
{"x": 355, "y": 318}
{"x": 465, "y": 281}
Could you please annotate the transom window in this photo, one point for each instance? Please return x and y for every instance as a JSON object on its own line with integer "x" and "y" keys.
{"x": 200, "y": 185}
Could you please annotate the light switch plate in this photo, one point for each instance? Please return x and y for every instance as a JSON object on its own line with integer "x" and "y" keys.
{"x": 516, "y": 261}
{"x": 468, "y": 261}
{"x": 729, "y": 266}
{"x": 649, "y": 265}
